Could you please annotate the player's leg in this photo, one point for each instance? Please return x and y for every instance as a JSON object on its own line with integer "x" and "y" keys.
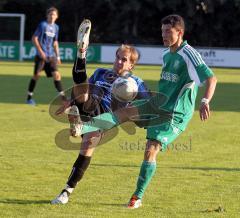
{"x": 144, "y": 113}
{"x": 79, "y": 74}
{"x": 38, "y": 67}
{"x": 58, "y": 84}
{"x": 83, "y": 38}
{"x": 88, "y": 145}
{"x": 81, "y": 87}
{"x": 80, "y": 91}
{"x": 158, "y": 139}
{"x": 108, "y": 120}
{"x": 51, "y": 70}
{"x": 146, "y": 173}
{"x": 89, "y": 142}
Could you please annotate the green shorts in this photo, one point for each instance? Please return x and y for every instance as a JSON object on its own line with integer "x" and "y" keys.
{"x": 157, "y": 121}
{"x": 165, "y": 133}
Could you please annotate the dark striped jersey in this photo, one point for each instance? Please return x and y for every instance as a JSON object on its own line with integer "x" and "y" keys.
{"x": 101, "y": 82}
{"x": 47, "y": 34}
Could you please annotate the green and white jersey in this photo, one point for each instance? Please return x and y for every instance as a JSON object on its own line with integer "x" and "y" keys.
{"x": 182, "y": 72}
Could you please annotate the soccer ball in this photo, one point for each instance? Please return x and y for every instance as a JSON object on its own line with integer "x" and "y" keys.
{"x": 124, "y": 89}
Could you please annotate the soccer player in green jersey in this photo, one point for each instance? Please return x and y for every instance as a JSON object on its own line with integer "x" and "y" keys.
{"x": 182, "y": 73}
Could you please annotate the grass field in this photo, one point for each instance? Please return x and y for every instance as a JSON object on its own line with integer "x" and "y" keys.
{"x": 196, "y": 176}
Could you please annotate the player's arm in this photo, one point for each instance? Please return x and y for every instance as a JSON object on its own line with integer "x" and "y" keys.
{"x": 201, "y": 74}
{"x": 204, "y": 110}
{"x": 38, "y": 46}
{"x": 56, "y": 50}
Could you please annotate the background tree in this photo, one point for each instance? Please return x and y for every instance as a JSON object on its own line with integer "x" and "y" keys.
{"x": 209, "y": 22}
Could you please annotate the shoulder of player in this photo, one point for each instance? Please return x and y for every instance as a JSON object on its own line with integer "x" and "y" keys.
{"x": 43, "y": 23}
{"x": 188, "y": 49}
{"x": 40, "y": 28}
{"x": 192, "y": 55}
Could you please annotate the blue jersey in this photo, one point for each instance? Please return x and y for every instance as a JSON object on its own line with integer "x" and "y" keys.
{"x": 47, "y": 34}
{"x": 102, "y": 80}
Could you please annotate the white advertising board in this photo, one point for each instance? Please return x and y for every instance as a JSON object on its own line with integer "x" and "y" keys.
{"x": 153, "y": 55}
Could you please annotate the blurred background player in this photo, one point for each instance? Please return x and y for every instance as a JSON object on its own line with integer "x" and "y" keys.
{"x": 183, "y": 72}
{"x": 45, "y": 39}
{"x": 91, "y": 97}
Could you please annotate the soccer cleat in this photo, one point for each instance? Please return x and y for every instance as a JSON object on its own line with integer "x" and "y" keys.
{"x": 134, "y": 202}
{"x": 75, "y": 121}
{"x": 31, "y": 102}
{"x": 83, "y": 38}
{"x": 62, "y": 198}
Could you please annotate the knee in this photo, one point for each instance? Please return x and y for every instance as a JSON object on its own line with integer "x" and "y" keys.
{"x": 56, "y": 75}
{"x": 152, "y": 149}
{"x": 81, "y": 93}
{"x": 82, "y": 98}
{"x": 86, "y": 148}
{"x": 89, "y": 143}
{"x": 36, "y": 76}
{"x": 150, "y": 155}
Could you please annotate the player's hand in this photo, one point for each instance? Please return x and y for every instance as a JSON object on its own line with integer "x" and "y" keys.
{"x": 59, "y": 60}
{"x": 65, "y": 104}
{"x": 204, "y": 111}
{"x": 43, "y": 56}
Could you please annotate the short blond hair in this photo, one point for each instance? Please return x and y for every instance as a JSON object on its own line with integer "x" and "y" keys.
{"x": 134, "y": 54}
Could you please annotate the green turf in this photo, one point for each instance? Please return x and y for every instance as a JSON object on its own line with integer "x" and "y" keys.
{"x": 196, "y": 176}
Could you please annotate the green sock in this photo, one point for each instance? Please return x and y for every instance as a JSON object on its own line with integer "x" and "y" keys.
{"x": 101, "y": 122}
{"x": 146, "y": 173}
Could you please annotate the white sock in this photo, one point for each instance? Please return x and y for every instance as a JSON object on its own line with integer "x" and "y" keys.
{"x": 62, "y": 93}
{"x": 68, "y": 188}
{"x": 81, "y": 55}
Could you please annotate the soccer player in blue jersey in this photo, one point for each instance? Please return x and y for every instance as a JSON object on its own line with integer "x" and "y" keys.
{"x": 91, "y": 97}
{"x": 183, "y": 71}
{"x": 45, "y": 39}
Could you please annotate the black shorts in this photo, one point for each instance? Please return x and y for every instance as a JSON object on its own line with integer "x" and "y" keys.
{"x": 49, "y": 66}
{"x": 91, "y": 108}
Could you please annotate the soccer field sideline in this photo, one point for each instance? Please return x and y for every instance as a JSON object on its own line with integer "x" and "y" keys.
{"x": 199, "y": 172}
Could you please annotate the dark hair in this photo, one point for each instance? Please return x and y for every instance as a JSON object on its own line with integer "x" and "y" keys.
{"x": 49, "y": 10}
{"x": 174, "y": 20}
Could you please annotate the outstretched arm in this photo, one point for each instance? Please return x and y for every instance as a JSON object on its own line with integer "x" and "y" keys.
{"x": 204, "y": 110}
